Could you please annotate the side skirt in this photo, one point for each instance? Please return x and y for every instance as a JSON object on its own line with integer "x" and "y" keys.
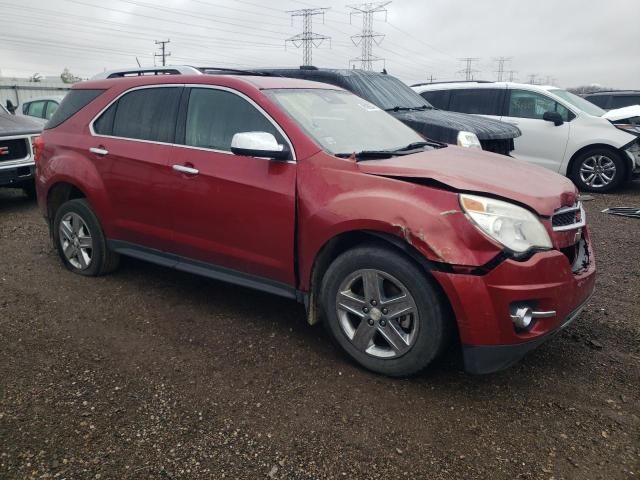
{"x": 204, "y": 269}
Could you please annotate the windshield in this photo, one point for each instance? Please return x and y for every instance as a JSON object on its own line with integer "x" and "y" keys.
{"x": 579, "y": 102}
{"x": 385, "y": 91}
{"x": 343, "y": 123}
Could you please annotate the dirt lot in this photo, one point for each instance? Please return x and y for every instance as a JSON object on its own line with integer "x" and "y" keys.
{"x": 155, "y": 374}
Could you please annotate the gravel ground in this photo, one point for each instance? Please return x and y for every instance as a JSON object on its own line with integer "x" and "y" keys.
{"x": 154, "y": 374}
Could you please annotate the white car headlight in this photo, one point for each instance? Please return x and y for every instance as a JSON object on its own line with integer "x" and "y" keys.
{"x": 468, "y": 140}
{"x": 510, "y": 225}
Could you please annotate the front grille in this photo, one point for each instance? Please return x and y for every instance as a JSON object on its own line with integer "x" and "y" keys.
{"x": 14, "y": 149}
{"x": 503, "y": 147}
{"x": 568, "y": 218}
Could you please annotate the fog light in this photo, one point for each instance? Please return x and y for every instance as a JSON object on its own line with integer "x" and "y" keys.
{"x": 522, "y": 317}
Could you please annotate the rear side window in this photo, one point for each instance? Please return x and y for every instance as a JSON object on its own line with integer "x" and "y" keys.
{"x": 72, "y": 103}
{"x": 485, "y": 101}
{"x": 36, "y": 109}
{"x": 439, "y": 99}
{"x": 619, "y": 101}
{"x": 599, "y": 100}
{"x": 526, "y": 104}
{"x": 215, "y": 116}
{"x": 145, "y": 114}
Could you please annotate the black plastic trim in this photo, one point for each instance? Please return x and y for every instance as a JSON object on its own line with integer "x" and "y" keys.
{"x": 204, "y": 269}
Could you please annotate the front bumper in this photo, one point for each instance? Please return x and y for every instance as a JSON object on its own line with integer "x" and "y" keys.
{"x": 17, "y": 175}
{"x": 482, "y": 305}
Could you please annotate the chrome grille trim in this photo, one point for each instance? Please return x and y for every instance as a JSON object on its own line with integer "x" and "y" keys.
{"x": 572, "y": 226}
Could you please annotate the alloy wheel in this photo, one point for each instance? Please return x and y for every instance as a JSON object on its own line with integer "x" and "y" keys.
{"x": 597, "y": 171}
{"x": 377, "y": 313}
{"x": 76, "y": 241}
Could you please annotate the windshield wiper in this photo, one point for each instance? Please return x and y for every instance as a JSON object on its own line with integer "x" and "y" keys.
{"x": 407, "y": 109}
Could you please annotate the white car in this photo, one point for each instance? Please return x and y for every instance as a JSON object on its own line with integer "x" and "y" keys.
{"x": 42, "y": 108}
{"x": 565, "y": 133}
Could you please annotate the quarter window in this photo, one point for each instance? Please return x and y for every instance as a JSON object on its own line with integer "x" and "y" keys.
{"x": 437, "y": 98}
{"x": 479, "y": 101}
{"x": 525, "y": 104}
{"x": 36, "y": 109}
{"x": 51, "y": 109}
{"x": 145, "y": 114}
{"x": 215, "y": 116}
{"x": 619, "y": 101}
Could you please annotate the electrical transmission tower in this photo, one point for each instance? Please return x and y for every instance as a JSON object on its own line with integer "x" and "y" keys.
{"x": 163, "y": 53}
{"x": 501, "y": 62}
{"x": 368, "y": 37}
{"x": 512, "y": 75}
{"x": 468, "y": 71}
{"x": 307, "y": 39}
{"x": 532, "y": 78}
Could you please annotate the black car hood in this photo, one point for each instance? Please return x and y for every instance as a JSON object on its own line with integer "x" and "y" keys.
{"x": 11, "y": 125}
{"x": 448, "y": 124}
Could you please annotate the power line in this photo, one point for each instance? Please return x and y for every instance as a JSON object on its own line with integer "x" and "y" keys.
{"x": 368, "y": 37}
{"x": 307, "y": 39}
{"x": 163, "y": 53}
{"x": 501, "y": 62}
{"x": 468, "y": 71}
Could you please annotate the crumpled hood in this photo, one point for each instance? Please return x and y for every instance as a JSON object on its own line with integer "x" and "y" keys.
{"x": 452, "y": 123}
{"x": 622, "y": 113}
{"x": 17, "y": 125}
{"x": 470, "y": 170}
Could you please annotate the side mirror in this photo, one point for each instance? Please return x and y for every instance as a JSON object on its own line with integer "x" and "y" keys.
{"x": 259, "y": 144}
{"x": 554, "y": 117}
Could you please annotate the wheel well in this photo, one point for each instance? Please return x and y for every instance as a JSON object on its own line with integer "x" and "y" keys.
{"x": 346, "y": 241}
{"x": 59, "y": 194}
{"x": 593, "y": 147}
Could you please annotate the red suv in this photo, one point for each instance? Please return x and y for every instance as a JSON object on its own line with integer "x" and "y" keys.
{"x": 304, "y": 190}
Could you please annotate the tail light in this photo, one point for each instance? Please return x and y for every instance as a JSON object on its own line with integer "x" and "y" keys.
{"x": 37, "y": 144}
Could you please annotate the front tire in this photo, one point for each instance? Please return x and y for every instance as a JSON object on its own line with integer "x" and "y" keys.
{"x": 80, "y": 241}
{"x": 598, "y": 170}
{"x": 383, "y": 311}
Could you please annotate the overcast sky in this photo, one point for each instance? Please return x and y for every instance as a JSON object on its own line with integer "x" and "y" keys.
{"x": 575, "y": 42}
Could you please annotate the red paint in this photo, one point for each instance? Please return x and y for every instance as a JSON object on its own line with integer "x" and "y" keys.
{"x": 271, "y": 218}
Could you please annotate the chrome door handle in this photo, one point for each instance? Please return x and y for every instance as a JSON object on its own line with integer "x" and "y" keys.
{"x": 99, "y": 151}
{"x": 187, "y": 170}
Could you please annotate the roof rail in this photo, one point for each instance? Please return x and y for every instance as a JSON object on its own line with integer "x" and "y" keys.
{"x": 452, "y": 81}
{"x": 177, "y": 70}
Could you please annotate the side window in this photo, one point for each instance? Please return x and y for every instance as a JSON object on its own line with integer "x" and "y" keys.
{"x": 25, "y": 108}
{"x": 36, "y": 109}
{"x": 72, "y": 103}
{"x": 437, "y": 98}
{"x": 599, "y": 100}
{"x": 51, "y": 109}
{"x": 214, "y": 116}
{"x": 619, "y": 101}
{"x": 483, "y": 101}
{"x": 145, "y": 114}
{"x": 525, "y": 104}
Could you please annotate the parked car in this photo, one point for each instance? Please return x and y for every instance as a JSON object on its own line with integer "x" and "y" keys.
{"x": 387, "y": 93}
{"x": 305, "y": 190}
{"x": 560, "y": 131}
{"x": 16, "y": 153}
{"x": 611, "y": 100}
{"x": 42, "y": 108}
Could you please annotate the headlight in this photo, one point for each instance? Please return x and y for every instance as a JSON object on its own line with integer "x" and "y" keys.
{"x": 468, "y": 140}
{"x": 632, "y": 128}
{"x": 512, "y": 226}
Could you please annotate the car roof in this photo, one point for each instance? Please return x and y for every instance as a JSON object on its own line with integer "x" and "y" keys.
{"x": 424, "y": 87}
{"x": 259, "y": 82}
{"x": 57, "y": 98}
{"x": 613, "y": 92}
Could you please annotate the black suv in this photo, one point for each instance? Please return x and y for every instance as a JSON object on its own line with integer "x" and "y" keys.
{"x": 392, "y": 95}
{"x": 610, "y": 100}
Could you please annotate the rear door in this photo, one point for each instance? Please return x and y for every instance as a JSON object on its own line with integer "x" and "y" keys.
{"x": 130, "y": 147}
{"x": 232, "y": 211}
{"x": 542, "y": 142}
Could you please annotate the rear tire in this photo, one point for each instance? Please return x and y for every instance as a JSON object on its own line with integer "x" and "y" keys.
{"x": 80, "y": 241}
{"x": 598, "y": 170}
{"x": 383, "y": 311}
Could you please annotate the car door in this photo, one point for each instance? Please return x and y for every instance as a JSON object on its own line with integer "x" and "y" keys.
{"x": 542, "y": 142}
{"x": 130, "y": 145}
{"x": 231, "y": 211}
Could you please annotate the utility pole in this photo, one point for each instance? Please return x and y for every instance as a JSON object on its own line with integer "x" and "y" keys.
{"x": 501, "y": 62}
{"x": 368, "y": 37}
{"x": 307, "y": 39}
{"x": 468, "y": 71}
{"x": 532, "y": 78}
{"x": 550, "y": 80}
{"x": 431, "y": 78}
{"x": 163, "y": 53}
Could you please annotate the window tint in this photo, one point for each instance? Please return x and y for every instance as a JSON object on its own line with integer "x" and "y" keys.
{"x": 73, "y": 102}
{"x": 480, "y": 101}
{"x": 439, "y": 99}
{"x": 147, "y": 114}
{"x": 36, "y": 109}
{"x": 104, "y": 124}
{"x": 214, "y": 116}
{"x": 619, "y": 101}
{"x": 599, "y": 100}
{"x": 524, "y": 104}
{"x": 25, "y": 108}
{"x": 51, "y": 109}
